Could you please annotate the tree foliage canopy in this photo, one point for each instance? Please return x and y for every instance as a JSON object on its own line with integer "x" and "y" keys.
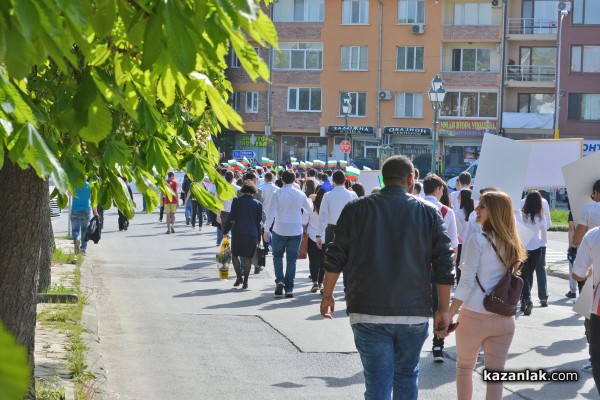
{"x": 100, "y": 88}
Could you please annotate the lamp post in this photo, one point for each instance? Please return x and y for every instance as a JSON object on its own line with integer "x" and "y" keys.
{"x": 563, "y": 14}
{"x": 436, "y": 98}
{"x": 346, "y": 109}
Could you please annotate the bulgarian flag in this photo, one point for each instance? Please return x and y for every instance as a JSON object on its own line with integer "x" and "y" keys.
{"x": 365, "y": 168}
{"x": 295, "y": 164}
{"x": 238, "y": 166}
{"x": 293, "y": 159}
{"x": 246, "y": 162}
{"x": 309, "y": 164}
{"x": 352, "y": 173}
{"x": 343, "y": 164}
{"x": 279, "y": 168}
{"x": 206, "y": 180}
{"x": 266, "y": 162}
{"x": 232, "y": 162}
{"x": 331, "y": 164}
{"x": 318, "y": 164}
{"x": 302, "y": 165}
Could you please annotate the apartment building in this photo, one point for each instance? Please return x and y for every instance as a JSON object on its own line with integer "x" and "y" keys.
{"x": 497, "y": 61}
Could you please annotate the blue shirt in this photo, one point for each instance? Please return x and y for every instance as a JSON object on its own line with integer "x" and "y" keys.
{"x": 81, "y": 200}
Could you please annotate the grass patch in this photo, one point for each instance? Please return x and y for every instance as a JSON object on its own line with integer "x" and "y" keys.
{"x": 49, "y": 389}
{"x": 63, "y": 257}
{"x": 59, "y": 289}
{"x": 559, "y": 217}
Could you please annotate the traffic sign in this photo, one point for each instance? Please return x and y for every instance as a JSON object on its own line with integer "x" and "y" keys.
{"x": 345, "y": 146}
{"x": 243, "y": 153}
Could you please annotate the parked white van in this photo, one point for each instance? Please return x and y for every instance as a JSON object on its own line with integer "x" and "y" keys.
{"x": 472, "y": 169}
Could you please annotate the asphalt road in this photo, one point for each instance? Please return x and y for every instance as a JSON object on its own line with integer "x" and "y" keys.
{"x": 169, "y": 328}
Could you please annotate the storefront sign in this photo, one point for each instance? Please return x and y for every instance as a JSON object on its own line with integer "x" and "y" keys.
{"x": 466, "y": 127}
{"x": 351, "y": 130}
{"x": 402, "y": 130}
{"x": 259, "y": 141}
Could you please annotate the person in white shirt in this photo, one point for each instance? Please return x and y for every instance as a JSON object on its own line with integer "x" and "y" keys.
{"x": 463, "y": 182}
{"x": 466, "y": 205}
{"x": 268, "y": 188}
{"x": 316, "y": 255}
{"x": 433, "y": 187}
{"x": 588, "y": 263}
{"x": 285, "y": 215}
{"x": 222, "y": 218}
{"x": 532, "y": 216}
{"x": 478, "y": 327}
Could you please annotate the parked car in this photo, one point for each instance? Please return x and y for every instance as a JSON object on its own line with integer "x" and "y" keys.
{"x": 453, "y": 170}
{"x": 368, "y": 162}
{"x": 472, "y": 169}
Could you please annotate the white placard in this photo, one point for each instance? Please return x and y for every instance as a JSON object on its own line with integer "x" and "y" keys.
{"x": 525, "y": 234}
{"x": 580, "y": 177}
{"x": 547, "y": 159}
{"x": 583, "y": 305}
{"x": 369, "y": 179}
{"x": 502, "y": 164}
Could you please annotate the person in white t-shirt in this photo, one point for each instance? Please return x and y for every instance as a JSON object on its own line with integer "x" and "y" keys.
{"x": 463, "y": 182}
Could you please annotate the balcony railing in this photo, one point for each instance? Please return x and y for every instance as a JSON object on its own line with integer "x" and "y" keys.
{"x": 531, "y": 73}
{"x": 513, "y": 120}
{"x": 532, "y": 26}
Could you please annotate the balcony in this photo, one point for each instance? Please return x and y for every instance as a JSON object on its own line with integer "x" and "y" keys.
{"x": 479, "y": 33}
{"x": 530, "y": 75}
{"x": 532, "y": 29}
{"x": 527, "y": 121}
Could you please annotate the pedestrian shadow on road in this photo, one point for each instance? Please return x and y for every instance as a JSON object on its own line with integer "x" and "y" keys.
{"x": 573, "y": 320}
{"x": 195, "y": 248}
{"x": 203, "y": 292}
{"x": 288, "y": 385}
{"x": 562, "y": 347}
{"x": 335, "y": 382}
{"x": 192, "y": 266}
{"x": 555, "y": 390}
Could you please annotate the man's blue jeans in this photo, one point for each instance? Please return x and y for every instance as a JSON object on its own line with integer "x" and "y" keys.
{"x": 79, "y": 223}
{"x": 188, "y": 209}
{"x": 390, "y": 356}
{"x": 290, "y": 245}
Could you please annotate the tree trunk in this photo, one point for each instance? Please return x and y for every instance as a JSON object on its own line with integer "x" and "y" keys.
{"x": 24, "y": 212}
{"x": 44, "y": 278}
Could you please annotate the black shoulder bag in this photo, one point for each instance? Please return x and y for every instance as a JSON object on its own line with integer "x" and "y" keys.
{"x": 505, "y": 297}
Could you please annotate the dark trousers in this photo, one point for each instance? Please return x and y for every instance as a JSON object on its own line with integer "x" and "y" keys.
{"x": 533, "y": 259}
{"x": 316, "y": 258}
{"x": 162, "y": 212}
{"x": 457, "y": 265}
{"x": 595, "y": 348}
{"x": 123, "y": 221}
{"x": 328, "y": 239}
{"x": 196, "y": 211}
{"x": 586, "y": 323}
{"x": 437, "y": 342}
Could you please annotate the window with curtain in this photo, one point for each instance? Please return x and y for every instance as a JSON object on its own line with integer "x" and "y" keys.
{"x": 304, "y": 99}
{"x": 585, "y": 59}
{"x": 299, "y": 11}
{"x": 470, "y": 105}
{"x": 542, "y": 103}
{"x": 355, "y": 11}
{"x": 584, "y": 106}
{"x": 411, "y": 11}
{"x": 358, "y": 102}
{"x": 409, "y": 58}
{"x": 251, "y": 102}
{"x": 471, "y": 59}
{"x": 234, "y": 101}
{"x": 473, "y": 14}
{"x": 585, "y": 12}
{"x": 355, "y": 58}
{"x": 409, "y": 105}
{"x": 299, "y": 55}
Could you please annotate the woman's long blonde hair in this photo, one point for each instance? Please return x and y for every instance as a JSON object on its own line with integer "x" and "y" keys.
{"x": 502, "y": 226}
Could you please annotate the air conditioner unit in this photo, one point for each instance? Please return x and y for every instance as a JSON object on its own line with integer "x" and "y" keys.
{"x": 496, "y": 4}
{"x": 385, "y": 95}
{"x": 564, "y": 6}
{"x": 418, "y": 29}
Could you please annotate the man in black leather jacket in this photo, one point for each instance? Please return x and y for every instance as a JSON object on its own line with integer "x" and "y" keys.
{"x": 387, "y": 244}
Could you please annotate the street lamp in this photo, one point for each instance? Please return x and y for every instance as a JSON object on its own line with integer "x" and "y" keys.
{"x": 563, "y": 14}
{"x": 436, "y": 98}
{"x": 346, "y": 109}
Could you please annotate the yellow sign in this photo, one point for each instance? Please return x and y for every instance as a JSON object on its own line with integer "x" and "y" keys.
{"x": 467, "y": 127}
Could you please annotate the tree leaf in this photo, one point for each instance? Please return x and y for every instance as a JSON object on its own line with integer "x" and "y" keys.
{"x": 74, "y": 169}
{"x": 19, "y": 54}
{"x": 205, "y": 198}
{"x": 28, "y": 17}
{"x": 166, "y": 87}
{"x": 14, "y": 379}
{"x": 120, "y": 194}
{"x": 145, "y": 183}
{"x": 154, "y": 41}
{"x": 99, "y": 55}
{"x": 116, "y": 153}
{"x": 181, "y": 48}
{"x": 94, "y": 116}
{"x": 104, "y": 17}
{"x": 157, "y": 155}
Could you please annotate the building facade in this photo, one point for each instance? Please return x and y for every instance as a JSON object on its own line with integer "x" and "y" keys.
{"x": 497, "y": 59}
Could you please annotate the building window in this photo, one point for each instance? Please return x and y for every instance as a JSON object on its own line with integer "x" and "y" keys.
{"x": 299, "y": 55}
{"x": 304, "y": 99}
{"x": 355, "y": 58}
{"x": 586, "y": 12}
{"x": 409, "y": 58}
{"x": 233, "y": 61}
{"x": 585, "y": 59}
{"x": 473, "y": 14}
{"x": 542, "y": 103}
{"x": 470, "y": 105}
{"x": 471, "y": 59}
{"x": 411, "y": 11}
{"x": 299, "y": 11}
{"x": 355, "y": 11}
{"x": 409, "y": 105}
{"x": 251, "y": 102}
{"x": 234, "y": 101}
{"x": 358, "y": 103}
{"x": 584, "y": 106}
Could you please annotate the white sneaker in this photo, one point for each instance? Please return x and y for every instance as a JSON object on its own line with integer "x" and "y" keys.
{"x": 587, "y": 368}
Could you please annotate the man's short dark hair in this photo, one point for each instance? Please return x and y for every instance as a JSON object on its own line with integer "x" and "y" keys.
{"x": 288, "y": 176}
{"x": 329, "y": 172}
{"x": 248, "y": 187}
{"x": 339, "y": 177}
{"x": 464, "y": 178}
{"x": 416, "y": 173}
{"x": 171, "y": 175}
{"x": 396, "y": 168}
{"x": 228, "y": 176}
{"x": 596, "y": 187}
{"x": 311, "y": 172}
{"x": 249, "y": 175}
{"x": 268, "y": 177}
{"x": 431, "y": 183}
{"x": 418, "y": 187}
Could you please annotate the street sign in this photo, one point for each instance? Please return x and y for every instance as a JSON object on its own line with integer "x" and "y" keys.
{"x": 345, "y": 146}
{"x": 243, "y": 153}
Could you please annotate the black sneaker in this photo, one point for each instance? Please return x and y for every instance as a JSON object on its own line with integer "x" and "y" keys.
{"x": 544, "y": 303}
{"x": 279, "y": 289}
{"x": 187, "y": 221}
{"x": 289, "y": 295}
{"x": 315, "y": 287}
{"x": 528, "y": 308}
{"x": 438, "y": 354}
{"x": 571, "y": 295}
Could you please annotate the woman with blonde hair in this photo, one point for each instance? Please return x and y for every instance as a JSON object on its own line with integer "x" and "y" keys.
{"x": 477, "y": 326}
